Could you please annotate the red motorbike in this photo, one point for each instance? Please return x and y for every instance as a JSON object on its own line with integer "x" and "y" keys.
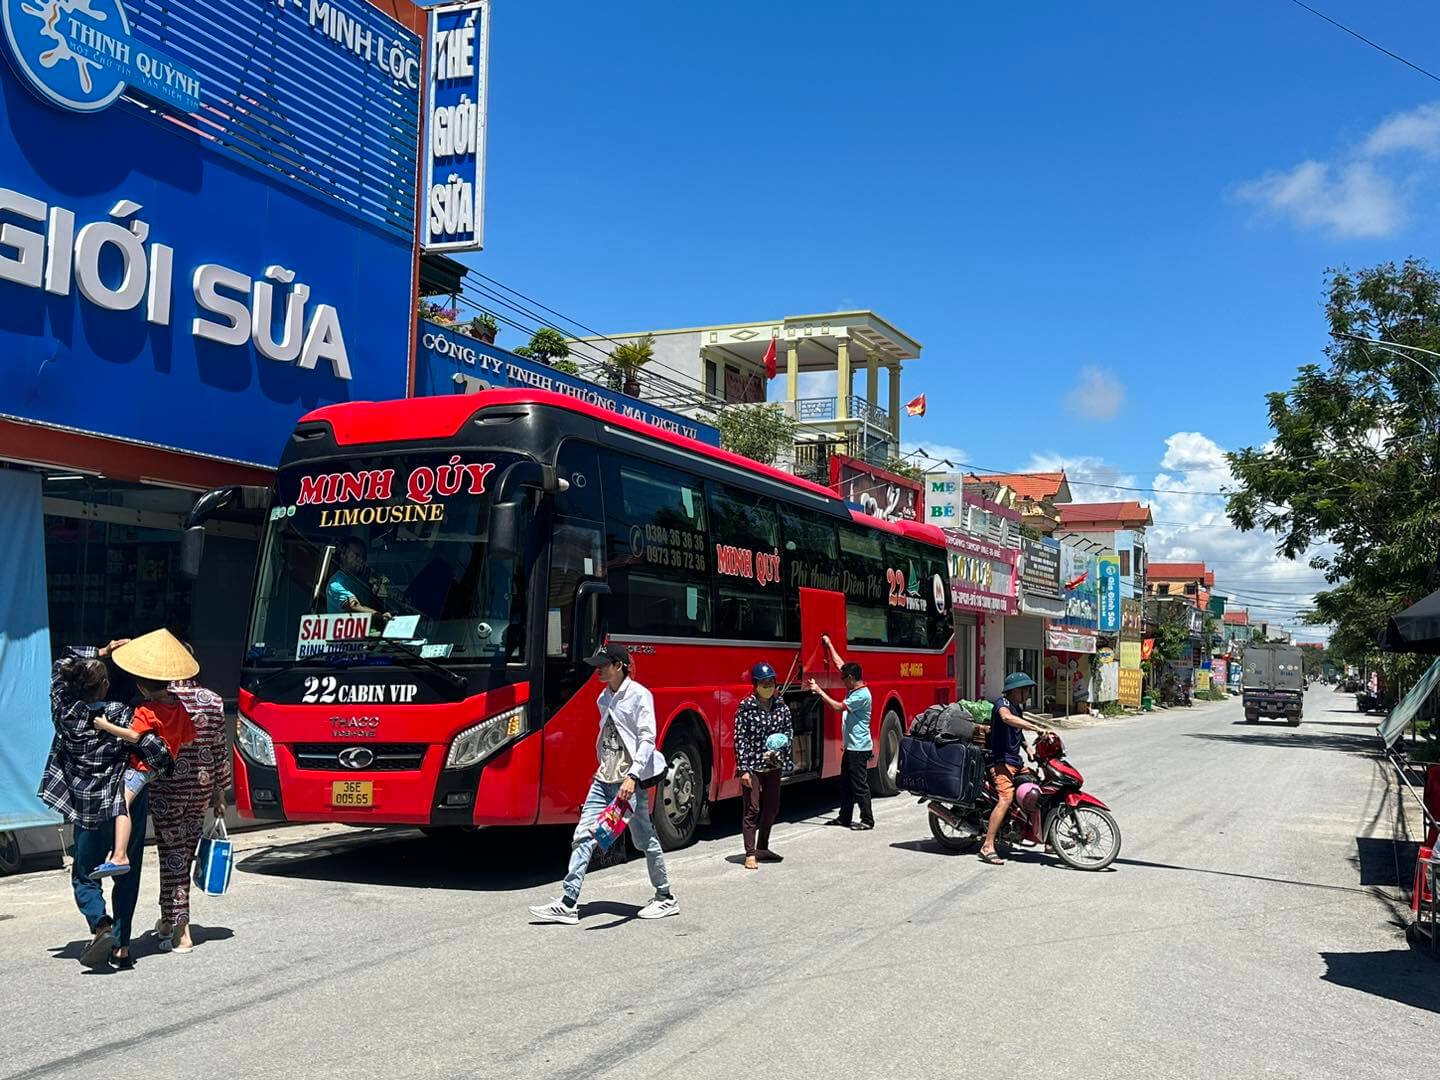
{"x": 1049, "y": 803}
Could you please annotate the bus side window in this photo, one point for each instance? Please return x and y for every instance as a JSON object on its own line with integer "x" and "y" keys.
{"x": 867, "y": 592}
{"x": 749, "y": 602}
{"x": 577, "y": 554}
{"x": 659, "y": 549}
{"x": 810, "y": 560}
{"x": 908, "y": 592}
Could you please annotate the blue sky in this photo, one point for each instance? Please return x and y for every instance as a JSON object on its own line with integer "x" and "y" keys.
{"x": 1108, "y": 223}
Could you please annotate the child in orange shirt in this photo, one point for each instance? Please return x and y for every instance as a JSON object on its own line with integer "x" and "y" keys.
{"x": 161, "y": 714}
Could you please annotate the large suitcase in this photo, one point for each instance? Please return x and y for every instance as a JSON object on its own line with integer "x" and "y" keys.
{"x": 953, "y": 772}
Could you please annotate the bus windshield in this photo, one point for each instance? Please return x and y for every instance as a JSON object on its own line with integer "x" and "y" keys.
{"x": 389, "y": 548}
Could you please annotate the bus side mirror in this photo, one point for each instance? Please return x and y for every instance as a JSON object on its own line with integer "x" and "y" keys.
{"x": 589, "y": 629}
{"x": 192, "y": 550}
{"x": 505, "y": 529}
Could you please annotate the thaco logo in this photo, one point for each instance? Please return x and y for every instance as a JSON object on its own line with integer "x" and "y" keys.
{"x": 80, "y": 55}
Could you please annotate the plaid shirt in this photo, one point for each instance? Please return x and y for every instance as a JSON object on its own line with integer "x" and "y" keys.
{"x": 85, "y": 773}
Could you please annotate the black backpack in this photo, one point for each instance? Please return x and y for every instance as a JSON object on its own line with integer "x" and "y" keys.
{"x": 942, "y": 724}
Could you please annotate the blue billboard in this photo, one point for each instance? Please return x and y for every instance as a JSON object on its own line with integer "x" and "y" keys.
{"x": 450, "y": 362}
{"x": 454, "y": 189}
{"x": 207, "y": 216}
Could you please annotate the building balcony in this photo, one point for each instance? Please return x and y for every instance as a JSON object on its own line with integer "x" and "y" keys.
{"x": 811, "y": 460}
{"x": 827, "y": 410}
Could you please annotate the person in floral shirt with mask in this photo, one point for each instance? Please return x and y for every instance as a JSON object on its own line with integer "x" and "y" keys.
{"x": 763, "y": 734}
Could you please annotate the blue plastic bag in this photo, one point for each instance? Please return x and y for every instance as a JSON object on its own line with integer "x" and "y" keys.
{"x": 213, "y": 860}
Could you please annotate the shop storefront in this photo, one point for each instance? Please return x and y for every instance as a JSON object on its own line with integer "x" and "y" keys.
{"x": 983, "y": 595}
{"x": 1071, "y": 640}
{"x": 1040, "y": 600}
{"x": 180, "y": 279}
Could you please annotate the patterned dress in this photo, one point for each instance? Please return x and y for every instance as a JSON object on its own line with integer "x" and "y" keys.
{"x": 179, "y": 801}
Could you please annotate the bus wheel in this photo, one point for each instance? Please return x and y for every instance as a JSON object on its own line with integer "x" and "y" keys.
{"x": 885, "y": 777}
{"x": 681, "y": 796}
{"x": 9, "y": 853}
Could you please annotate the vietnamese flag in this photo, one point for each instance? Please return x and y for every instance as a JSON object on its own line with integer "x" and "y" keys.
{"x": 769, "y": 360}
{"x": 916, "y": 407}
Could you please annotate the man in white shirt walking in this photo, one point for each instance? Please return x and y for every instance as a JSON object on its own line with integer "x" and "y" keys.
{"x": 629, "y": 765}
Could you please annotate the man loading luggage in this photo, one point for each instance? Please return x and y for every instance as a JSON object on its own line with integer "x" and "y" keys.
{"x": 1006, "y": 743}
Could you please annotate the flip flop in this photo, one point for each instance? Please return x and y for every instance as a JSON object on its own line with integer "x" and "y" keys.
{"x": 991, "y": 858}
{"x": 109, "y": 869}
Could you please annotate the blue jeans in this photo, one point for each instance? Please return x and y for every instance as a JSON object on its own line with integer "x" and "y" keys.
{"x": 91, "y": 847}
{"x": 582, "y": 845}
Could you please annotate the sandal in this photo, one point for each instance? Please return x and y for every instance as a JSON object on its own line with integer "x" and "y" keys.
{"x": 165, "y": 936}
{"x": 991, "y": 858}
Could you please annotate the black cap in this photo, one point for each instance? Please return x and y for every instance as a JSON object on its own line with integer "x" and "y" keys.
{"x": 610, "y": 654}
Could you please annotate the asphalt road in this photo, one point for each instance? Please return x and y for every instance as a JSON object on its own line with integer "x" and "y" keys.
{"x": 1243, "y": 932}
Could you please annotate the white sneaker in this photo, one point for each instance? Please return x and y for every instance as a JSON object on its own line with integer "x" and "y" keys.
{"x": 556, "y": 911}
{"x": 660, "y": 907}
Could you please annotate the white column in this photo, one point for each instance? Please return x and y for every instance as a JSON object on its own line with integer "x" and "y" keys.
{"x": 872, "y": 380}
{"x": 895, "y": 404}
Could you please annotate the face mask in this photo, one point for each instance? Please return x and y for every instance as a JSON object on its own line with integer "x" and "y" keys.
{"x": 764, "y": 693}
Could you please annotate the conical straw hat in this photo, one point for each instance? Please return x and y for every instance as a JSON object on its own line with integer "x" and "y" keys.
{"x": 157, "y": 656}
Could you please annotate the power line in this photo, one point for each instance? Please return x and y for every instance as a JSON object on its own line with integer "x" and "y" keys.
{"x": 1367, "y": 41}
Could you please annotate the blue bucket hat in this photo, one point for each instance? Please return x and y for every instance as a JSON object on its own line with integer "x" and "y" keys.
{"x": 1017, "y": 679}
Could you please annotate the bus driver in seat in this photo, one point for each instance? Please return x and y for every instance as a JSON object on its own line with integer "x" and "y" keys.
{"x": 349, "y": 581}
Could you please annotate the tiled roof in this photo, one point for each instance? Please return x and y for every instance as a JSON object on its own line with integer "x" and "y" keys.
{"x": 1179, "y": 571}
{"x": 1237, "y": 618}
{"x": 1036, "y": 486}
{"x": 1125, "y": 513}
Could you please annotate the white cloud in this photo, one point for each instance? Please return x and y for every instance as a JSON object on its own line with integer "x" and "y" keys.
{"x": 1362, "y": 191}
{"x": 1191, "y": 525}
{"x": 1348, "y": 200}
{"x": 1097, "y": 394}
{"x": 935, "y": 455}
{"x": 1417, "y": 130}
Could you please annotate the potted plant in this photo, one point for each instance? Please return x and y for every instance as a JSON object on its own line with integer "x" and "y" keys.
{"x": 629, "y": 358}
{"x": 483, "y": 327}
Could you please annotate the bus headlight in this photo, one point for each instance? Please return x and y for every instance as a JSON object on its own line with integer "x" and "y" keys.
{"x": 479, "y": 742}
{"x": 254, "y": 741}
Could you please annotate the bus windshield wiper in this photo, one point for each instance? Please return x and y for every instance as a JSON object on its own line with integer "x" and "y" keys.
{"x": 408, "y": 650}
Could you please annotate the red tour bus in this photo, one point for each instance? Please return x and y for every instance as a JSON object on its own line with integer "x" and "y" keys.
{"x": 434, "y": 572}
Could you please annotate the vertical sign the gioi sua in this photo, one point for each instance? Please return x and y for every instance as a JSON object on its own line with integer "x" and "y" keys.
{"x": 458, "y": 82}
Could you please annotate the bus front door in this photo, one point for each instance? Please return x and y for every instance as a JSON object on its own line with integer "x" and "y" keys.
{"x": 822, "y": 612}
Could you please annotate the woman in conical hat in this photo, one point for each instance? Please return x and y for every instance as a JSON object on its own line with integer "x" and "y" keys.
{"x": 155, "y": 660}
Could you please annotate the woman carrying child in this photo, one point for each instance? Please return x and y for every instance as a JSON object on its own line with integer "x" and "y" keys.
{"x": 155, "y": 661}
{"x": 84, "y": 783}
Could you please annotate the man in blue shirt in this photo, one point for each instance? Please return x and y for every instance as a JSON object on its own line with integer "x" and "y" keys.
{"x": 342, "y": 595}
{"x": 1006, "y": 745}
{"x": 855, "y": 716}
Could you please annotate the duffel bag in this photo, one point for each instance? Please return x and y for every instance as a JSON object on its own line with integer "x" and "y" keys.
{"x": 944, "y": 724}
{"x": 953, "y": 772}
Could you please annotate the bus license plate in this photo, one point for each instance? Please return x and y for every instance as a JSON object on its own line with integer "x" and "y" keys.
{"x": 352, "y": 793}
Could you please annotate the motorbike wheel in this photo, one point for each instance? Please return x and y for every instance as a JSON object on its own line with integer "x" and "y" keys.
{"x": 1085, "y": 837}
{"x": 949, "y": 838}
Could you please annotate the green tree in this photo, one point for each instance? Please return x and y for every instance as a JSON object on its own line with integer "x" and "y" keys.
{"x": 547, "y": 346}
{"x": 908, "y": 469}
{"x": 758, "y": 432}
{"x": 1353, "y": 458}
